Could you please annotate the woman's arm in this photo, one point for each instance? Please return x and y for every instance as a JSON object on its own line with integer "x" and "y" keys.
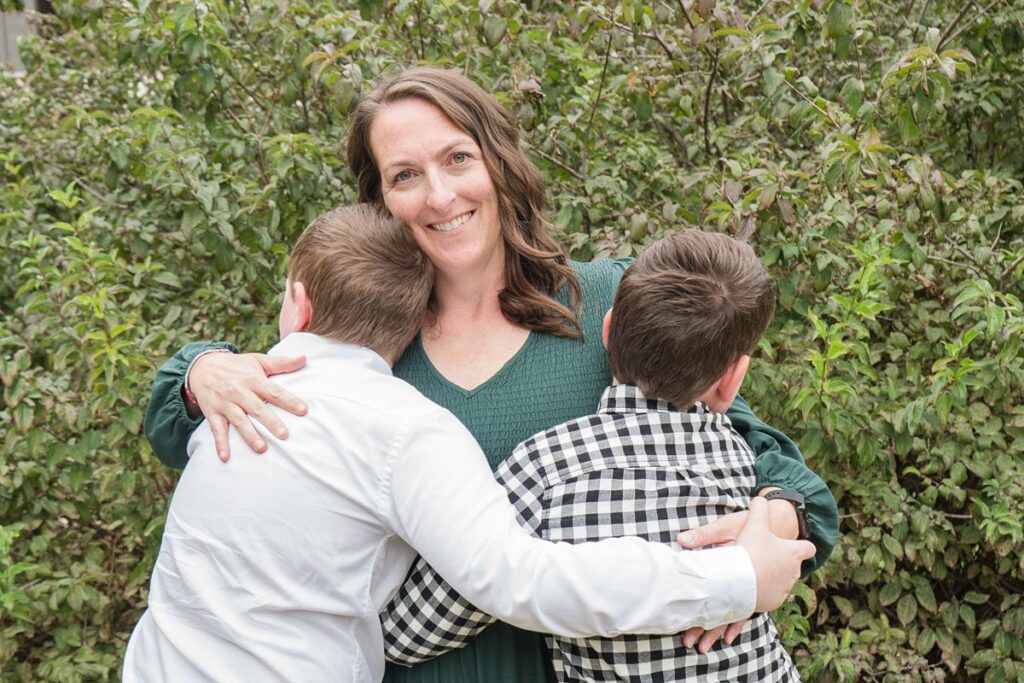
{"x": 229, "y": 388}
{"x": 780, "y": 464}
{"x": 168, "y": 425}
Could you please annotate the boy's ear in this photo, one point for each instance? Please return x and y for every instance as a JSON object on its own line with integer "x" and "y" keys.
{"x": 721, "y": 395}
{"x": 303, "y": 306}
{"x": 605, "y": 326}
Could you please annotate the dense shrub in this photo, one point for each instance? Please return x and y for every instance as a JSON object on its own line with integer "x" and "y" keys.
{"x": 157, "y": 159}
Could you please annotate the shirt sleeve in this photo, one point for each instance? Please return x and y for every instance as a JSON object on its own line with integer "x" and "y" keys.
{"x": 168, "y": 426}
{"x": 446, "y": 504}
{"x": 428, "y": 617}
{"x": 779, "y": 463}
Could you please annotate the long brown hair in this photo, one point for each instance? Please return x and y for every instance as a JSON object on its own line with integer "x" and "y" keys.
{"x": 536, "y": 267}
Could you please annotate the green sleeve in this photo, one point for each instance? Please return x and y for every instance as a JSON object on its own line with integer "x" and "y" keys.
{"x": 779, "y": 463}
{"x": 168, "y": 425}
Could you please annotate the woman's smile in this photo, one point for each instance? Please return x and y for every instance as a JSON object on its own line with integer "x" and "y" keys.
{"x": 450, "y": 225}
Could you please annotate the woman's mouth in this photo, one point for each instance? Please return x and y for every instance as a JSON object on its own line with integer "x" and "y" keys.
{"x": 448, "y": 226}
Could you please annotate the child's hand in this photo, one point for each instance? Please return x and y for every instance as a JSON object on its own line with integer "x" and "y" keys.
{"x": 707, "y": 638}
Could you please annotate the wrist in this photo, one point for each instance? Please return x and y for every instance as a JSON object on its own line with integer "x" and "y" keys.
{"x": 786, "y": 512}
{"x": 190, "y": 398}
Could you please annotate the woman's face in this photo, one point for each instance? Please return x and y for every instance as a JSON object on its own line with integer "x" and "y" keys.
{"x": 434, "y": 179}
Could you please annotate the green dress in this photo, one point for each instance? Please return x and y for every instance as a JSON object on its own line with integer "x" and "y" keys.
{"x": 550, "y": 380}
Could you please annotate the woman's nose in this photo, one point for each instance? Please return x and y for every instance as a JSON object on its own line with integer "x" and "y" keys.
{"x": 440, "y": 193}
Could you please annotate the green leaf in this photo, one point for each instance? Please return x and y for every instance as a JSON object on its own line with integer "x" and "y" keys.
{"x": 925, "y": 597}
{"x": 840, "y": 16}
{"x": 852, "y": 94}
{"x": 909, "y": 130}
{"x": 906, "y": 609}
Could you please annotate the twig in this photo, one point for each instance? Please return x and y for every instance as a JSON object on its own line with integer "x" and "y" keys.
{"x": 920, "y": 18}
{"x": 597, "y": 100}
{"x": 969, "y": 24}
{"x": 813, "y": 104}
{"x": 573, "y": 172}
{"x": 965, "y": 266}
{"x": 956, "y": 20}
{"x": 1012, "y": 267}
{"x": 707, "y": 105}
{"x": 759, "y": 10}
{"x": 650, "y": 36}
{"x": 686, "y": 15}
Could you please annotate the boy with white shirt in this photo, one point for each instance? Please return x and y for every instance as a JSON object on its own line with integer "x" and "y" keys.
{"x": 277, "y": 569}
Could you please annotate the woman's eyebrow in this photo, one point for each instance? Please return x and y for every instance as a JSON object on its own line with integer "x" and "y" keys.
{"x": 443, "y": 152}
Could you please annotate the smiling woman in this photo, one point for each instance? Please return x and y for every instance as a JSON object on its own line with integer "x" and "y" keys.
{"x": 433, "y": 178}
{"x": 513, "y": 343}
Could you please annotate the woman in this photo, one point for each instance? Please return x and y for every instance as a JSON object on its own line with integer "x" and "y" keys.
{"x": 513, "y": 345}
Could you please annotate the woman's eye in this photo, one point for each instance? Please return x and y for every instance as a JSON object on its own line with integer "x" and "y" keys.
{"x": 460, "y": 158}
{"x": 403, "y": 175}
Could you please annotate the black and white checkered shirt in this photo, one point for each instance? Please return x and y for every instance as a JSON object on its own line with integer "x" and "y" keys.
{"x": 636, "y": 468}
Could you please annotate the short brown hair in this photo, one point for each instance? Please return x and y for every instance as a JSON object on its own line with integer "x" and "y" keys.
{"x": 367, "y": 280}
{"x": 536, "y": 267}
{"x": 688, "y": 307}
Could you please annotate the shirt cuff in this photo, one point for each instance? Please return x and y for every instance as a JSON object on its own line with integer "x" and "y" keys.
{"x": 728, "y": 578}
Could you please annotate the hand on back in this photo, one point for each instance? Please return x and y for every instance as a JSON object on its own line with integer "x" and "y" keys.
{"x": 233, "y": 389}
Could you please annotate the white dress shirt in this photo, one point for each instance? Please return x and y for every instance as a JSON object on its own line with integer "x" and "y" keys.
{"x": 273, "y": 567}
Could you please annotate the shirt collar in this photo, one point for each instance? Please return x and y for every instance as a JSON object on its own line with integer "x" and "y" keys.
{"x": 627, "y": 398}
{"x": 318, "y": 347}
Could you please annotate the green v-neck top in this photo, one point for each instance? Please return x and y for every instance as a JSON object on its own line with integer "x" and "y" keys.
{"x": 548, "y": 381}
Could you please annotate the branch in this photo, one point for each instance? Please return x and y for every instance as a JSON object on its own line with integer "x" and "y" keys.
{"x": 573, "y": 172}
{"x": 707, "y": 106}
{"x": 956, "y": 20}
{"x": 966, "y": 26}
{"x": 600, "y": 91}
{"x": 650, "y": 36}
{"x": 813, "y": 104}
{"x": 686, "y": 15}
{"x": 1009, "y": 269}
{"x": 759, "y": 10}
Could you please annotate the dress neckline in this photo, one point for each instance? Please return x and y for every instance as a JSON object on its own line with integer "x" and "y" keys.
{"x": 499, "y": 375}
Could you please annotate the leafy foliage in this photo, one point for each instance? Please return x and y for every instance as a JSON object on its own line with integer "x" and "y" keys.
{"x": 159, "y": 158}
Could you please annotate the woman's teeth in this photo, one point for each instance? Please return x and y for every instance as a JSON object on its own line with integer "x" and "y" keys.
{"x": 452, "y": 224}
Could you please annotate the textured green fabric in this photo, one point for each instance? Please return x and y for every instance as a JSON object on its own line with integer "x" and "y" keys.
{"x": 549, "y": 381}
{"x": 168, "y": 426}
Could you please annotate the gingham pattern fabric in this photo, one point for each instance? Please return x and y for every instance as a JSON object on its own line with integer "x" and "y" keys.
{"x": 636, "y": 468}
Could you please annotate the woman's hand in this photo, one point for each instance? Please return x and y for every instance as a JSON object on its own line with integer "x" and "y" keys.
{"x": 781, "y": 522}
{"x": 230, "y": 389}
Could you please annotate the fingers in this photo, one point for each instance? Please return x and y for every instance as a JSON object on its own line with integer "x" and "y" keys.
{"x": 692, "y": 635}
{"x": 219, "y": 426}
{"x": 722, "y": 530}
{"x": 240, "y": 421}
{"x": 734, "y": 630}
{"x": 272, "y": 392}
{"x": 709, "y": 638}
{"x": 805, "y": 550}
{"x": 274, "y": 365}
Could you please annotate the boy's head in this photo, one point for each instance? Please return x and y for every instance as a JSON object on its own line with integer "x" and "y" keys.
{"x": 356, "y": 276}
{"x": 687, "y": 315}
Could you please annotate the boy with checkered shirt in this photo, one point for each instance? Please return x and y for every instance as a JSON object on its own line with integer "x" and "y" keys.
{"x": 660, "y": 455}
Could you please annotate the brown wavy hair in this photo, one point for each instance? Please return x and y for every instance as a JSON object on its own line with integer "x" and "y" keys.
{"x": 536, "y": 267}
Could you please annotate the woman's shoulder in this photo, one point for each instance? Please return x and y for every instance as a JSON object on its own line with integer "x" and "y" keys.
{"x": 599, "y": 280}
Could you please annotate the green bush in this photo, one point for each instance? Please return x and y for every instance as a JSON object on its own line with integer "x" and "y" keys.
{"x": 159, "y": 158}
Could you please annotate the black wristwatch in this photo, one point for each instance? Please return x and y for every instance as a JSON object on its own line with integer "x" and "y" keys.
{"x": 797, "y": 499}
